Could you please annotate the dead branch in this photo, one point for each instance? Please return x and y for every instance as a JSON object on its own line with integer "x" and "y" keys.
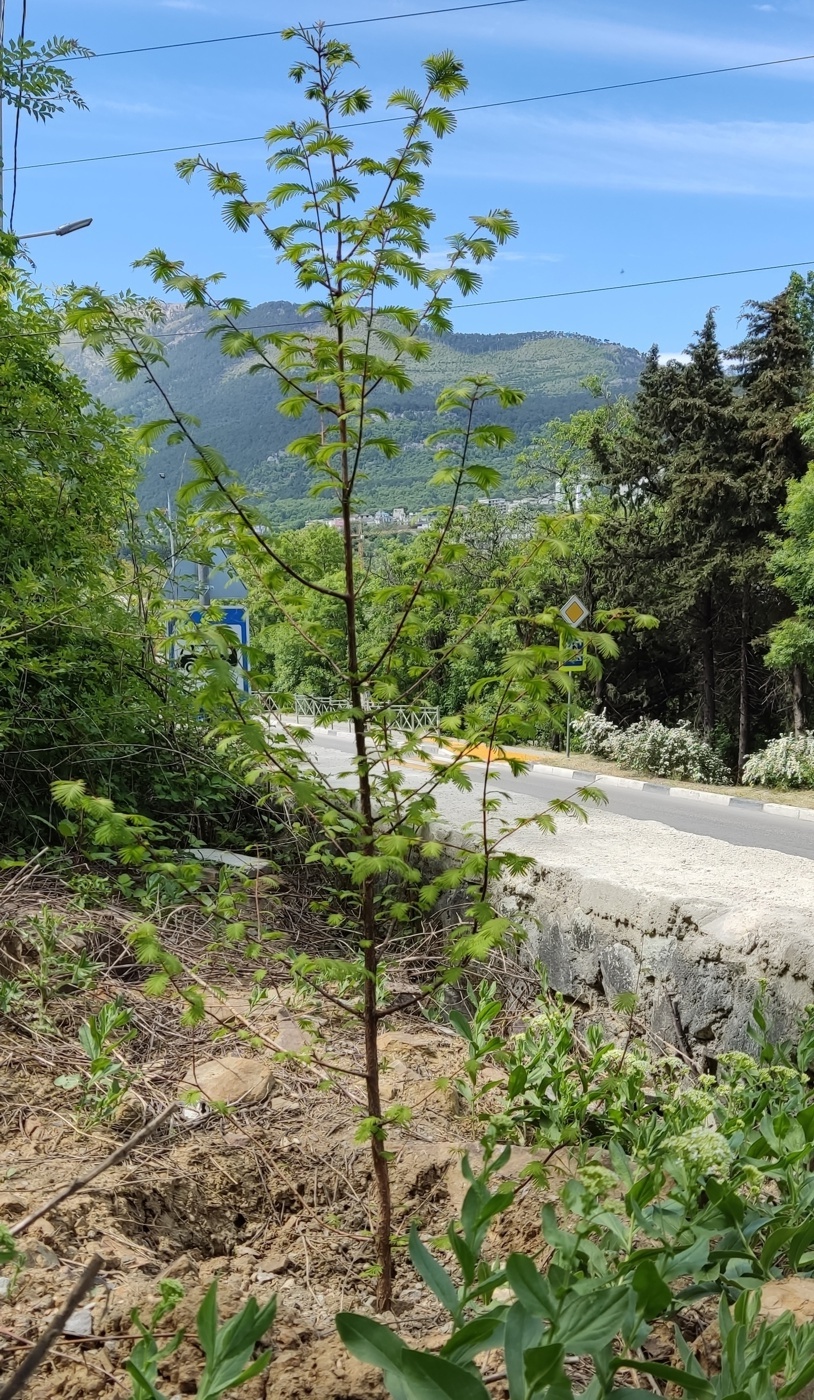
{"x": 81, "y": 1182}
{"x": 40, "y": 1349}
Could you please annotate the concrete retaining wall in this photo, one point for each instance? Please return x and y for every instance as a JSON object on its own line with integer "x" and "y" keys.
{"x": 696, "y": 969}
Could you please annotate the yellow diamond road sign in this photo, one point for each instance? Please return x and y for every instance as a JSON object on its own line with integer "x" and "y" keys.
{"x": 574, "y": 611}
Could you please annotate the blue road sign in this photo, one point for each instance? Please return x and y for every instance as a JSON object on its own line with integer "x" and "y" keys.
{"x": 234, "y": 616}
{"x": 577, "y": 660}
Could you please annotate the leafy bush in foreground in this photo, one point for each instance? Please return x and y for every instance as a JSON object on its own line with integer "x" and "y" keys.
{"x": 706, "y": 1194}
{"x": 787, "y": 762}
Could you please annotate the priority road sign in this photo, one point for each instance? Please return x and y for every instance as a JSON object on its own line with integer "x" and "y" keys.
{"x": 574, "y": 611}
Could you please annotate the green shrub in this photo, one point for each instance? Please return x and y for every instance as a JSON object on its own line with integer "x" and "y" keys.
{"x": 649, "y": 746}
{"x": 597, "y": 735}
{"x": 787, "y": 762}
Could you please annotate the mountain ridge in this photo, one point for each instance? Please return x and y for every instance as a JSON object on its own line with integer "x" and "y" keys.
{"x": 238, "y": 411}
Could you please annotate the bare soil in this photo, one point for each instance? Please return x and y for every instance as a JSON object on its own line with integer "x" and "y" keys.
{"x": 273, "y": 1198}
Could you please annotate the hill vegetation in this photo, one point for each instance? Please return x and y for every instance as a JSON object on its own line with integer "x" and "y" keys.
{"x": 240, "y": 418}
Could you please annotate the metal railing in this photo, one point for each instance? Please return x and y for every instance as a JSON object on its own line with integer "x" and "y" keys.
{"x": 405, "y": 719}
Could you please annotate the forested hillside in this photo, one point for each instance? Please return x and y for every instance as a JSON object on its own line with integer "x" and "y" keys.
{"x": 238, "y": 411}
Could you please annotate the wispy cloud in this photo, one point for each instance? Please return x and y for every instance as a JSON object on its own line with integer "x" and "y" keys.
{"x": 517, "y": 256}
{"x": 585, "y": 33}
{"x": 770, "y": 159}
{"x": 129, "y": 109}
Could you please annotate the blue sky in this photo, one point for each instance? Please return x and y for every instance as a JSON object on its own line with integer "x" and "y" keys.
{"x": 696, "y": 176}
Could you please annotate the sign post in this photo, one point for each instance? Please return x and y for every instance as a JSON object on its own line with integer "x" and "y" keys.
{"x": 574, "y": 612}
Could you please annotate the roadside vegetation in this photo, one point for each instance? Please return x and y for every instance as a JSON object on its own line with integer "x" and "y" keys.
{"x": 269, "y": 1071}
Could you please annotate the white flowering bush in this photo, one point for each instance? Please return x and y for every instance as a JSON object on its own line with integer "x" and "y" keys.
{"x": 787, "y": 762}
{"x": 597, "y": 735}
{"x": 649, "y": 746}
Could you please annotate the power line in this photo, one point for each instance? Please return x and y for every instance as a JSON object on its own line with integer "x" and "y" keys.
{"x": 470, "y": 107}
{"x": 629, "y": 286}
{"x": 276, "y": 33}
{"x": 505, "y": 301}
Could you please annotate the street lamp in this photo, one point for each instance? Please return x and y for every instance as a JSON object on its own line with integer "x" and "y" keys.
{"x": 58, "y": 232}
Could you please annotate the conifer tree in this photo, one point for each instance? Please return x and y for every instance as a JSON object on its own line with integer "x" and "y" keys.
{"x": 775, "y": 379}
{"x": 673, "y": 482}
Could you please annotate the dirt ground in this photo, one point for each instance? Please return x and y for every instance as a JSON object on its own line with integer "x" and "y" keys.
{"x": 272, "y": 1198}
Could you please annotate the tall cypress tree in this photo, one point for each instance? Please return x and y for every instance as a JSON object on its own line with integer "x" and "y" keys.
{"x": 698, "y": 506}
{"x": 674, "y": 483}
{"x": 775, "y": 380}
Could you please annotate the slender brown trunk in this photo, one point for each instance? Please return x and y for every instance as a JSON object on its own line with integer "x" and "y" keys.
{"x": 744, "y": 707}
{"x": 708, "y": 706}
{"x": 381, "y": 1170}
{"x": 798, "y": 699}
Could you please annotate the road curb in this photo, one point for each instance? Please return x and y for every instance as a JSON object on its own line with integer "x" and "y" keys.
{"x": 719, "y": 799}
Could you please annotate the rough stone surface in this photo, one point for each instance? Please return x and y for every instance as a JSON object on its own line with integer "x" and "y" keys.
{"x": 692, "y": 925}
{"x": 232, "y": 1079}
{"x": 696, "y": 977}
{"x": 79, "y": 1324}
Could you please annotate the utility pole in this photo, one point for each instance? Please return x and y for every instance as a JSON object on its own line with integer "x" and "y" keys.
{"x": 204, "y": 587}
{"x": 2, "y": 105}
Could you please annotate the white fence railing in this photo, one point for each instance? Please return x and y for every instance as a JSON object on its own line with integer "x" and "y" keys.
{"x": 406, "y": 719}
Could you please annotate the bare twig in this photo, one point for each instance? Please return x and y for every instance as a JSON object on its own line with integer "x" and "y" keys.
{"x": 40, "y": 1349}
{"x": 80, "y": 1182}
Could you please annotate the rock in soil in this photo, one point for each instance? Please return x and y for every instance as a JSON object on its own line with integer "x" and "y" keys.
{"x": 233, "y": 1079}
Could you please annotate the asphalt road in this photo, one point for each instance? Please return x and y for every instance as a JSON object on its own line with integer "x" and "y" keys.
{"x": 746, "y": 825}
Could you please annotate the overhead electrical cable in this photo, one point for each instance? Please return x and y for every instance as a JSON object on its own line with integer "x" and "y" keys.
{"x": 470, "y": 107}
{"x": 508, "y": 301}
{"x": 276, "y": 33}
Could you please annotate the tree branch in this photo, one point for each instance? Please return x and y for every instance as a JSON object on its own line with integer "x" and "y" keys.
{"x": 40, "y": 1349}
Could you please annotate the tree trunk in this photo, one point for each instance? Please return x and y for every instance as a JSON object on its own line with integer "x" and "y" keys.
{"x": 369, "y": 942}
{"x": 744, "y": 707}
{"x": 708, "y": 707}
{"x": 798, "y": 699}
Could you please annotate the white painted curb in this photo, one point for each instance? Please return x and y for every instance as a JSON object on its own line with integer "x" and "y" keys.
{"x": 720, "y": 799}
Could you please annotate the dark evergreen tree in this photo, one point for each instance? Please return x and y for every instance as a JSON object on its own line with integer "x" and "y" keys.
{"x": 775, "y": 380}
{"x": 699, "y": 501}
{"x": 675, "y": 486}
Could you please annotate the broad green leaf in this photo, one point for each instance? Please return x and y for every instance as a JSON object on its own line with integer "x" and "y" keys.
{"x": 521, "y": 1332}
{"x": 589, "y": 1322}
{"x": 694, "y": 1385}
{"x": 147, "y": 1390}
{"x": 207, "y": 1319}
{"x": 369, "y": 1341}
{"x": 481, "y": 1334}
{"x": 541, "y": 1366}
{"x": 652, "y": 1292}
{"x": 434, "y": 1275}
{"x": 530, "y": 1288}
{"x": 431, "y": 1377}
